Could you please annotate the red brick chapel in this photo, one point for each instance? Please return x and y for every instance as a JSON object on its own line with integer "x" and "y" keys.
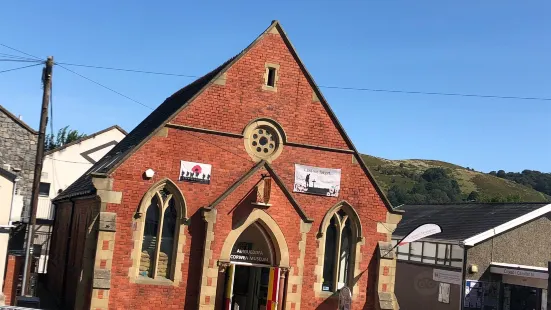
{"x": 240, "y": 191}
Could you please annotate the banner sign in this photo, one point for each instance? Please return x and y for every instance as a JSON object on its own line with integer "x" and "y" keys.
{"x": 317, "y": 181}
{"x": 420, "y": 233}
{"x": 195, "y": 172}
{"x": 519, "y": 272}
{"x": 447, "y": 276}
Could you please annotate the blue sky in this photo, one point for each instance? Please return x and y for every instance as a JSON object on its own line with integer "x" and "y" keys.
{"x": 494, "y": 47}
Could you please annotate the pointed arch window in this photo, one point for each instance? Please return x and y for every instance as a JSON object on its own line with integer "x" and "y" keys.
{"x": 342, "y": 230}
{"x": 161, "y": 211}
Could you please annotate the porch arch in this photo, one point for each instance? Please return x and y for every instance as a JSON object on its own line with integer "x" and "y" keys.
{"x": 272, "y": 229}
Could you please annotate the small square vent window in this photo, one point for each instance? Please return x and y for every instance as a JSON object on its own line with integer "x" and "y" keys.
{"x": 271, "y": 77}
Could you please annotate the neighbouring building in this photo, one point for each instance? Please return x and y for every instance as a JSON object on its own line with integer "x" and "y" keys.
{"x": 491, "y": 256}
{"x": 62, "y": 166}
{"x": 17, "y": 154}
{"x": 240, "y": 191}
{"x": 8, "y": 184}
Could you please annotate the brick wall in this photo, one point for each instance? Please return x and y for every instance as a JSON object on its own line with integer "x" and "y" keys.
{"x": 230, "y": 108}
{"x": 14, "y": 268}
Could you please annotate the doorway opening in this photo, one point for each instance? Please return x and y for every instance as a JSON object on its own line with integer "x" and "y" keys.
{"x": 252, "y": 280}
{"x": 250, "y": 288}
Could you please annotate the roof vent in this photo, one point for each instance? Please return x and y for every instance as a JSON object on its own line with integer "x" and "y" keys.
{"x": 20, "y": 117}
{"x": 7, "y": 167}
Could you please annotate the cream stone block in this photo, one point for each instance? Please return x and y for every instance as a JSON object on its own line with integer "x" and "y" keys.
{"x": 386, "y": 228}
{"x": 393, "y": 218}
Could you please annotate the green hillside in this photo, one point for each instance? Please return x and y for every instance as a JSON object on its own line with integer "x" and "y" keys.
{"x": 417, "y": 181}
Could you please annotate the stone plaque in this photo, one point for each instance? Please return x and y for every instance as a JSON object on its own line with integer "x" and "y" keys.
{"x": 345, "y": 298}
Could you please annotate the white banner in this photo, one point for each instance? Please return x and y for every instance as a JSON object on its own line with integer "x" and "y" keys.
{"x": 195, "y": 172}
{"x": 317, "y": 181}
{"x": 447, "y": 276}
{"x": 420, "y": 233}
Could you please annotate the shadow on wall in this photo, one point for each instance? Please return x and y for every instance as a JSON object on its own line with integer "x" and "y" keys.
{"x": 331, "y": 302}
{"x": 243, "y": 209}
{"x": 371, "y": 296}
{"x": 197, "y": 231}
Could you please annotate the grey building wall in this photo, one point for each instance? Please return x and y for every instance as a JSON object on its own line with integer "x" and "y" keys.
{"x": 529, "y": 244}
{"x": 18, "y": 149}
{"x": 415, "y": 289}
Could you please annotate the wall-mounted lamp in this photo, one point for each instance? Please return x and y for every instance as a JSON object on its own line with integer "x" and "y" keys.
{"x": 473, "y": 268}
{"x": 149, "y": 173}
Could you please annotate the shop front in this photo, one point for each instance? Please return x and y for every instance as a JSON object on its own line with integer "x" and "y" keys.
{"x": 523, "y": 287}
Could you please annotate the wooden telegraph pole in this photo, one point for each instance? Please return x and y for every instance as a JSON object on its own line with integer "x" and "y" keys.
{"x": 47, "y": 83}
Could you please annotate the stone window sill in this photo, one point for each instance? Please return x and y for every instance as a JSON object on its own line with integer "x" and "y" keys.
{"x": 156, "y": 281}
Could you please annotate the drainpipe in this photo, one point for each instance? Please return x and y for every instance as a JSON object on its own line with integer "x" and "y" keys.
{"x": 463, "y": 276}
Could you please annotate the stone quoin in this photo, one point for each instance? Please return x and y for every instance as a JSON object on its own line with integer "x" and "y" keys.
{"x": 241, "y": 234}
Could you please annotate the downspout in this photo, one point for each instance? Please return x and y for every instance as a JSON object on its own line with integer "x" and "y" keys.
{"x": 69, "y": 237}
{"x": 463, "y": 276}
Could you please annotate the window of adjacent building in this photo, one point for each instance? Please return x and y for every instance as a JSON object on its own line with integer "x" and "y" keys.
{"x": 44, "y": 189}
{"x": 431, "y": 253}
{"x": 338, "y": 256}
{"x": 159, "y": 232}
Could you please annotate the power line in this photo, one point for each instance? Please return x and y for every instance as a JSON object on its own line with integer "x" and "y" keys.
{"x": 19, "y": 60}
{"x": 38, "y": 64}
{"x": 14, "y": 49}
{"x": 435, "y": 93}
{"x": 127, "y": 70}
{"x": 214, "y": 144}
{"x": 412, "y": 92}
{"x": 99, "y": 84}
{"x": 16, "y": 56}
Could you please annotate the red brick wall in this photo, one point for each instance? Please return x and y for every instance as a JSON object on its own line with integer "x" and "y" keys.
{"x": 230, "y": 108}
{"x": 14, "y": 267}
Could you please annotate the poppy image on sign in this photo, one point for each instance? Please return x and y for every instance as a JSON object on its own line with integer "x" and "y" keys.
{"x": 196, "y": 169}
{"x": 195, "y": 172}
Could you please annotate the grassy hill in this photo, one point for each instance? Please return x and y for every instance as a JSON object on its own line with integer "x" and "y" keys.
{"x": 405, "y": 174}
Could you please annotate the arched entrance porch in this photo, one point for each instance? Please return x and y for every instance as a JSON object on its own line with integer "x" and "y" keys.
{"x": 256, "y": 259}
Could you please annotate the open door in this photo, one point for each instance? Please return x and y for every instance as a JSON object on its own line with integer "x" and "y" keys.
{"x": 273, "y": 289}
{"x": 230, "y": 275}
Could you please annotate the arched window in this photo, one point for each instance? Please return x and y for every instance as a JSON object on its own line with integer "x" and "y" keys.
{"x": 160, "y": 212}
{"x": 342, "y": 230}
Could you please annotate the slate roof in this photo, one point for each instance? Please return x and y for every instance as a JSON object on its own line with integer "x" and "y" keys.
{"x": 84, "y": 186}
{"x": 463, "y": 220}
{"x": 7, "y": 174}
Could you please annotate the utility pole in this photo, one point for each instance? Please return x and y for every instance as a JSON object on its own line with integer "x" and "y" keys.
{"x": 47, "y": 83}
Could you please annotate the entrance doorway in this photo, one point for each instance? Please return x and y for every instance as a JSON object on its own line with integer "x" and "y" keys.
{"x": 516, "y": 297}
{"x": 250, "y": 287}
{"x": 252, "y": 281}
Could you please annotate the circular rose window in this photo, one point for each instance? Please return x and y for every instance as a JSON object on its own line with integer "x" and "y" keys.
{"x": 263, "y": 140}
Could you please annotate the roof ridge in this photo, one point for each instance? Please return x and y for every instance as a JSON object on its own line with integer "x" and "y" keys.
{"x": 17, "y": 120}
{"x": 87, "y": 137}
